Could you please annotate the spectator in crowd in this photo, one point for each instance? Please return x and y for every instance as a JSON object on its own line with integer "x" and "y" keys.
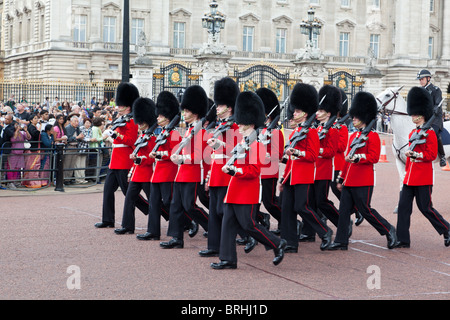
{"x": 72, "y": 159}
{"x": 44, "y": 119}
{"x": 83, "y": 145}
{"x": 96, "y": 143}
{"x": 21, "y": 115}
{"x": 16, "y": 160}
{"x": 60, "y": 130}
{"x": 47, "y": 140}
{"x": 32, "y": 155}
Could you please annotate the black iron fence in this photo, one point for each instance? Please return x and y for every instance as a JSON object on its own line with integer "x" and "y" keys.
{"x": 59, "y": 166}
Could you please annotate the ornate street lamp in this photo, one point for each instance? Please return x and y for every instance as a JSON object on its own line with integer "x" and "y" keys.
{"x": 311, "y": 26}
{"x": 91, "y": 75}
{"x": 214, "y": 21}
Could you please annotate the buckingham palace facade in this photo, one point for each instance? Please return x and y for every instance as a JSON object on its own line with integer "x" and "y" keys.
{"x": 82, "y": 39}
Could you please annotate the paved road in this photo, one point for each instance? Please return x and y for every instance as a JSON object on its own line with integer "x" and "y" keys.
{"x": 48, "y": 238}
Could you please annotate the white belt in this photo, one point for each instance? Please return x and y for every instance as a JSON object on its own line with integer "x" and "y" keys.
{"x": 120, "y": 146}
{"x": 219, "y": 156}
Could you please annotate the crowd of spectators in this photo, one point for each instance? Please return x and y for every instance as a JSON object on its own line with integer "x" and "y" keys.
{"x": 29, "y": 131}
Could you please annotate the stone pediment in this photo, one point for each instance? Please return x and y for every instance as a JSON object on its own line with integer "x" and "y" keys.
{"x": 180, "y": 12}
{"x": 249, "y": 17}
{"x": 376, "y": 26}
{"x": 346, "y": 24}
{"x": 283, "y": 20}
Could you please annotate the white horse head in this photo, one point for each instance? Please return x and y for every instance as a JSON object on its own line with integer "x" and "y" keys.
{"x": 390, "y": 100}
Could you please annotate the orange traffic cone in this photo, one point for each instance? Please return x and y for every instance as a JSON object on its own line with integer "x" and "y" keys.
{"x": 446, "y": 168}
{"x": 383, "y": 157}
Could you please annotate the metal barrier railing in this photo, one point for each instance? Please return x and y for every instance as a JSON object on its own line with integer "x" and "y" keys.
{"x": 37, "y": 168}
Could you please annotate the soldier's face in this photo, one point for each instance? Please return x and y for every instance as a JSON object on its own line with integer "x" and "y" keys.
{"x": 299, "y": 116}
{"x": 322, "y": 115}
{"x": 417, "y": 119}
{"x": 358, "y": 124}
{"x": 162, "y": 121}
{"x": 424, "y": 81}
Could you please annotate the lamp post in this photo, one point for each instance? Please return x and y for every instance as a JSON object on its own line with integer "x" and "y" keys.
{"x": 214, "y": 21}
{"x": 91, "y": 75}
{"x": 312, "y": 26}
{"x": 126, "y": 42}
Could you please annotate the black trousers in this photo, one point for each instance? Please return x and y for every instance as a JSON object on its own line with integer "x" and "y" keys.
{"x": 133, "y": 193}
{"x": 296, "y": 201}
{"x": 326, "y": 206}
{"x": 242, "y": 216}
{"x": 359, "y": 197}
{"x": 216, "y": 212}
{"x": 270, "y": 199}
{"x": 425, "y": 205}
{"x": 160, "y": 198}
{"x": 184, "y": 203}
{"x": 116, "y": 178}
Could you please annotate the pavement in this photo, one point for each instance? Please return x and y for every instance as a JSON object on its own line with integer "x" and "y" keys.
{"x": 50, "y": 250}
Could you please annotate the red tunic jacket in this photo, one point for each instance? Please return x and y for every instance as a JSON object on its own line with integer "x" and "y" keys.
{"x": 275, "y": 150}
{"x": 328, "y": 146}
{"x": 220, "y": 157}
{"x": 362, "y": 174}
{"x": 165, "y": 170}
{"x": 122, "y": 148}
{"x": 420, "y": 172}
{"x": 301, "y": 170}
{"x": 245, "y": 187}
{"x": 339, "y": 158}
{"x": 192, "y": 168}
{"x": 143, "y": 172}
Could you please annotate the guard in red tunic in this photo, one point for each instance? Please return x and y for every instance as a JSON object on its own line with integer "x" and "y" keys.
{"x": 124, "y": 132}
{"x": 419, "y": 178}
{"x": 298, "y": 178}
{"x": 244, "y": 190}
{"x": 328, "y": 109}
{"x": 222, "y": 141}
{"x": 275, "y": 148}
{"x": 358, "y": 176}
{"x": 189, "y": 156}
{"x": 145, "y": 117}
{"x": 164, "y": 172}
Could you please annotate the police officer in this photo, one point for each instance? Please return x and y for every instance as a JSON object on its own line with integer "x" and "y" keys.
{"x": 419, "y": 178}
{"x": 424, "y": 77}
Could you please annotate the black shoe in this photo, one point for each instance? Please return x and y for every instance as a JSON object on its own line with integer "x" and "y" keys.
{"x": 443, "y": 161}
{"x": 291, "y": 249}
{"x": 326, "y": 240}
{"x": 147, "y": 236}
{"x": 337, "y": 246}
{"x": 172, "y": 243}
{"x": 306, "y": 238}
{"x": 123, "y": 231}
{"x": 194, "y": 229}
{"x": 400, "y": 244}
{"x": 279, "y": 252}
{"x": 208, "y": 253}
{"x": 447, "y": 239}
{"x": 104, "y": 225}
{"x": 242, "y": 241}
{"x": 350, "y": 229}
{"x": 359, "y": 218}
{"x": 391, "y": 238}
{"x": 250, "y": 245}
{"x": 223, "y": 264}
{"x": 265, "y": 221}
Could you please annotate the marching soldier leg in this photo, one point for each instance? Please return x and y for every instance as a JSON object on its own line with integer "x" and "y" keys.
{"x": 154, "y": 218}
{"x": 108, "y": 209}
{"x": 405, "y": 208}
{"x": 189, "y": 198}
{"x": 321, "y": 191}
{"x": 176, "y": 215}
{"x": 229, "y": 232}
{"x": 270, "y": 199}
{"x": 346, "y": 205}
{"x": 425, "y": 205}
{"x": 217, "y": 195}
{"x": 128, "y": 218}
{"x": 289, "y": 217}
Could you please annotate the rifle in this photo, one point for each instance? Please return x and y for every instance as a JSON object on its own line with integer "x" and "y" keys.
{"x": 326, "y": 128}
{"x": 222, "y": 128}
{"x": 121, "y": 121}
{"x": 419, "y": 137}
{"x": 299, "y": 136}
{"x": 162, "y": 137}
{"x": 264, "y": 138}
{"x": 360, "y": 142}
{"x": 142, "y": 141}
{"x": 198, "y": 126}
{"x": 239, "y": 150}
{"x": 341, "y": 121}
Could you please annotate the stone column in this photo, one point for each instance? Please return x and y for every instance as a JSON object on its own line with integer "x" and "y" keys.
{"x": 143, "y": 79}
{"x": 213, "y": 67}
{"x": 311, "y": 72}
{"x": 446, "y": 31}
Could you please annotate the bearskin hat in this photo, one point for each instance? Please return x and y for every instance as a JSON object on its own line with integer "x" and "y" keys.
{"x": 364, "y": 107}
{"x": 344, "y": 105}
{"x": 144, "y": 110}
{"x": 195, "y": 100}
{"x": 211, "y": 117}
{"x": 126, "y": 94}
{"x": 249, "y": 109}
{"x": 332, "y": 100}
{"x": 419, "y": 102}
{"x": 304, "y": 97}
{"x": 167, "y": 105}
{"x": 270, "y": 101}
{"x": 226, "y": 91}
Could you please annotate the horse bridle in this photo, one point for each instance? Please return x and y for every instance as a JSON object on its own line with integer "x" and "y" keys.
{"x": 390, "y": 113}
